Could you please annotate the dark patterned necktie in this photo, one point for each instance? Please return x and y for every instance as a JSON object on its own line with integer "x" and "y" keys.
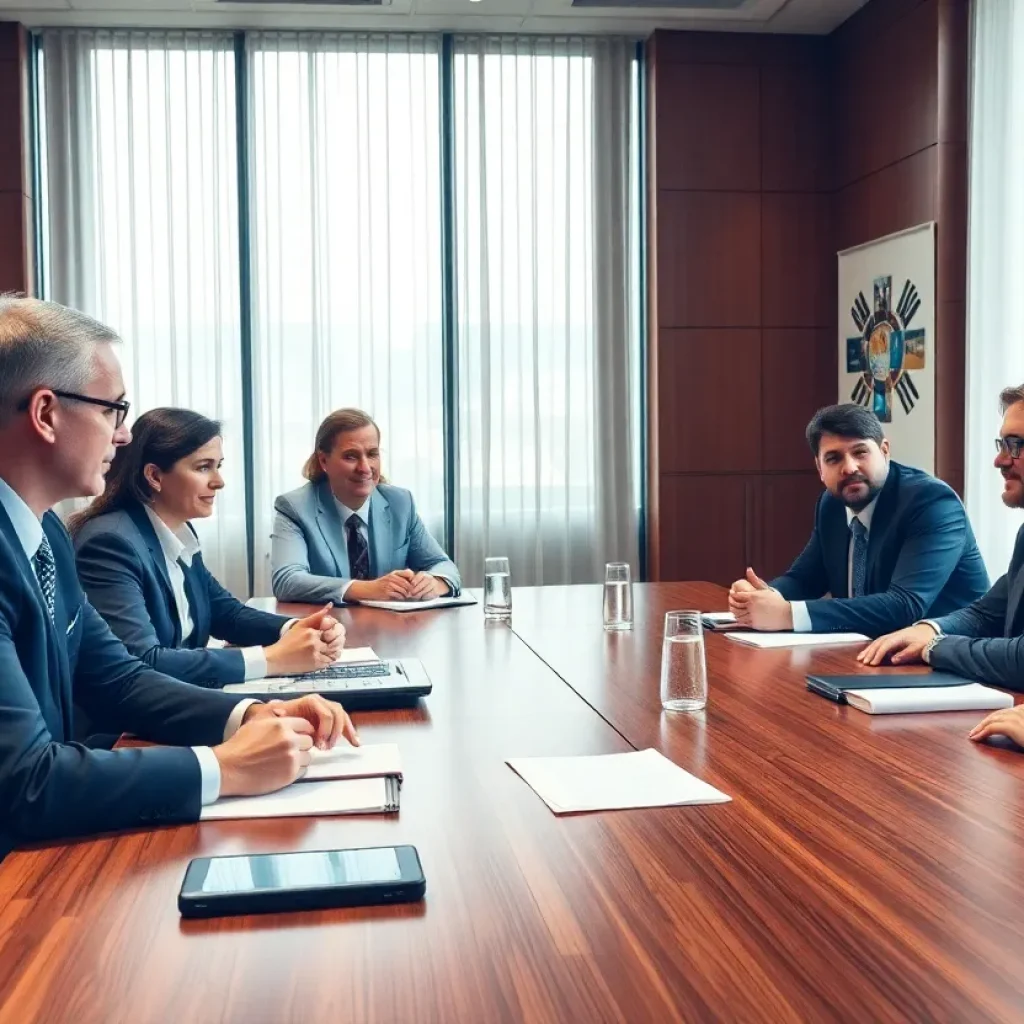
{"x": 358, "y": 552}
{"x": 860, "y": 556}
{"x": 46, "y": 573}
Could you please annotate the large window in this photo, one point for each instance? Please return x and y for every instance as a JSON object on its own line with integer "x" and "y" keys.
{"x": 440, "y": 231}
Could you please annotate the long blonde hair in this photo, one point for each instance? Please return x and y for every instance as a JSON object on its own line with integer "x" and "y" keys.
{"x": 338, "y": 422}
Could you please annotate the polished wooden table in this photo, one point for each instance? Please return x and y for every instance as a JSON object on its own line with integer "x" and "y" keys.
{"x": 866, "y": 869}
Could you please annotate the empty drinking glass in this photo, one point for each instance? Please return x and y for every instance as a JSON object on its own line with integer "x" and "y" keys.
{"x": 684, "y": 674}
{"x": 618, "y": 596}
{"x": 497, "y": 589}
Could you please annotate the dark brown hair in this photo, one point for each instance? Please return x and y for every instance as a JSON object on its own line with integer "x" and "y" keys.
{"x": 338, "y": 422}
{"x": 160, "y": 437}
{"x": 1010, "y": 396}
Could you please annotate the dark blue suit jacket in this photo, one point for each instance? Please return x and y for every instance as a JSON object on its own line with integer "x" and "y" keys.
{"x": 923, "y": 559}
{"x": 51, "y": 787}
{"x": 124, "y": 572}
{"x": 986, "y": 641}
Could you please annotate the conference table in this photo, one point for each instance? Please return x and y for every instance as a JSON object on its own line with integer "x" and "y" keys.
{"x": 867, "y": 868}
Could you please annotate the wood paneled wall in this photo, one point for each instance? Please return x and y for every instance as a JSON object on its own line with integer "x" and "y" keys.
{"x": 743, "y": 297}
{"x": 15, "y": 180}
{"x": 767, "y": 155}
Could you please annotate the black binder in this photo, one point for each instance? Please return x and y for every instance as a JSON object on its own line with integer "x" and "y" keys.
{"x": 835, "y": 687}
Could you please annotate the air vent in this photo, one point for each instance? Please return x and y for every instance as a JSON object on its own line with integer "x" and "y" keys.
{"x": 679, "y": 5}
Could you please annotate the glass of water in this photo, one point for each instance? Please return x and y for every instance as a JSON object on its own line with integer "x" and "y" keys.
{"x": 684, "y": 673}
{"x": 618, "y": 596}
{"x": 497, "y": 589}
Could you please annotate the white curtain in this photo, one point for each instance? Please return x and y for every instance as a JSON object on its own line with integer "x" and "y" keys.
{"x": 347, "y": 283}
{"x": 143, "y": 227}
{"x": 995, "y": 343}
{"x": 546, "y": 306}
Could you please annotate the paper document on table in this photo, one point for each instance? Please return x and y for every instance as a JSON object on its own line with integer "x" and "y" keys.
{"x": 773, "y": 640}
{"x": 909, "y": 700}
{"x": 420, "y": 606}
{"x": 347, "y": 762}
{"x": 315, "y": 799}
{"x": 356, "y": 656}
{"x": 608, "y": 782}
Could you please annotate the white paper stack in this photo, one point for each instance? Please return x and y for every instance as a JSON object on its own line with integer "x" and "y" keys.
{"x": 315, "y": 799}
{"x": 607, "y": 782}
{"x": 346, "y": 762}
{"x": 972, "y": 697}
{"x": 773, "y": 640}
{"x": 420, "y": 606}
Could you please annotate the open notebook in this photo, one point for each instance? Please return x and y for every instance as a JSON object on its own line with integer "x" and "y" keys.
{"x": 969, "y": 697}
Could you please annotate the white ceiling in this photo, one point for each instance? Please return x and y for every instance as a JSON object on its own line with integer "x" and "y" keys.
{"x": 531, "y": 16}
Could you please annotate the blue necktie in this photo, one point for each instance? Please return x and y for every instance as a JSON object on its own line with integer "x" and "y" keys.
{"x": 46, "y": 573}
{"x": 860, "y": 556}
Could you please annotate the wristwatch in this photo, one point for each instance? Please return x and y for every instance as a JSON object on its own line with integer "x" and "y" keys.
{"x": 926, "y": 654}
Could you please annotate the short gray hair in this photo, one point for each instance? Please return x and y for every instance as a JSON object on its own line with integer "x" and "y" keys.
{"x": 1010, "y": 396}
{"x": 43, "y": 344}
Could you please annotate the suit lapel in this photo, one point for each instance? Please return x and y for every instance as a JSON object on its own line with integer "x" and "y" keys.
{"x": 332, "y": 529}
{"x": 880, "y": 519}
{"x": 380, "y": 535}
{"x": 156, "y": 553}
{"x": 198, "y": 604}
{"x": 837, "y": 549}
{"x": 1015, "y": 605}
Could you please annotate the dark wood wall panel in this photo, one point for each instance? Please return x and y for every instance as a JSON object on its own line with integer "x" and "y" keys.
{"x": 15, "y": 186}
{"x": 709, "y": 258}
{"x": 710, "y": 378}
{"x": 768, "y": 155}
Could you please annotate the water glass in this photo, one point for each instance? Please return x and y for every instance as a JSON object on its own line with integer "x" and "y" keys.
{"x": 684, "y": 673}
{"x": 618, "y": 596}
{"x": 497, "y": 589}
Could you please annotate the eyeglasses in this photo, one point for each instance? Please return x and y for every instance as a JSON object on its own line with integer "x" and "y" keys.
{"x": 120, "y": 407}
{"x": 1013, "y": 446}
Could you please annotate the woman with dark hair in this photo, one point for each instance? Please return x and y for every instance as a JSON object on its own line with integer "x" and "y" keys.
{"x": 139, "y": 562}
{"x": 347, "y": 535}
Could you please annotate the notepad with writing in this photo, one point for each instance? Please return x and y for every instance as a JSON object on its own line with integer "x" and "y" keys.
{"x": 420, "y": 606}
{"x": 773, "y": 640}
{"x": 344, "y": 762}
{"x": 608, "y": 782}
{"x": 314, "y": 799}
{"x": 970, "y": 697}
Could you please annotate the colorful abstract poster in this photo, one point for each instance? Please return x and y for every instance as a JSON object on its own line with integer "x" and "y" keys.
{"x": 887, "y": 338}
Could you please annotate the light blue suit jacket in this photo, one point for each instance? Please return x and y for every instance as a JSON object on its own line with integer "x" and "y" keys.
{"x": 309, "y": 550}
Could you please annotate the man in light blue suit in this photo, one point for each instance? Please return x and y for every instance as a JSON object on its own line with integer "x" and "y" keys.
{"x": 348, "y": 536}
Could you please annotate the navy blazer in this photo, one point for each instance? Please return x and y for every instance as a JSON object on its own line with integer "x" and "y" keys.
{"x": 309, "y": 549}
{"x": 51, "y": 787}
{"x": 986, "y": 641}
{"x": 922, "y": 559}
{"x": 123, "y": 570}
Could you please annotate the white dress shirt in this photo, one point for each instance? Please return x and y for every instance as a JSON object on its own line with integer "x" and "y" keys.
{"x": 30, "y": 532}
{"x": 179, "y": 546}
{"x": 364, "y": 531}
{"x": 801, "y": 616}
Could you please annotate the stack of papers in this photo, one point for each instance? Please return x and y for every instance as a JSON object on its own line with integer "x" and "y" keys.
{"x": 797, "y": 639}
{"x": 346, "y": 762}
{"x": 344, "y": 796}
{"x": 420, "y": 606}
{"x": 971, "y": 697}
{"x": 607, "y": 782}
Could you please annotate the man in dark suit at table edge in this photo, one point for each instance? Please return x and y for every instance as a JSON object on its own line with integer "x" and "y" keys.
{"x": 62, "y": 413}
{"x": 891, "y": 543}
{"x": 985, "y": 641}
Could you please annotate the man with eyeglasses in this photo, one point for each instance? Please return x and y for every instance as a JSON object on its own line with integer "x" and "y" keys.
{"x": 984, "y": 641}
{"x": 62, "y": 416}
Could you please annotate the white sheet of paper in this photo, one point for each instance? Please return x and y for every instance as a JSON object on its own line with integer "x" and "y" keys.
{"x": 347, "y": 762}
{"x": 606, "y": 782}
{"x": 773, "y": 640}
{"x": 420, "y": 606}
{"x": 971, "y": 697}
{"x": 356, "y": 655}
{"x": 343, "y": 796}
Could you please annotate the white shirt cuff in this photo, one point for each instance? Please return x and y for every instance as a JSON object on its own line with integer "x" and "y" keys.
{"x": 344, "y": 589}
{"x": 801, "y": 617}
{"x": 255, "y": 659}
{"x": 288, "y": 625}
{"x": 237, "y": 714}
{"x": 930, "y": 622}
{"x": 444, "y": 579}
{"x": 209, "y": 773}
